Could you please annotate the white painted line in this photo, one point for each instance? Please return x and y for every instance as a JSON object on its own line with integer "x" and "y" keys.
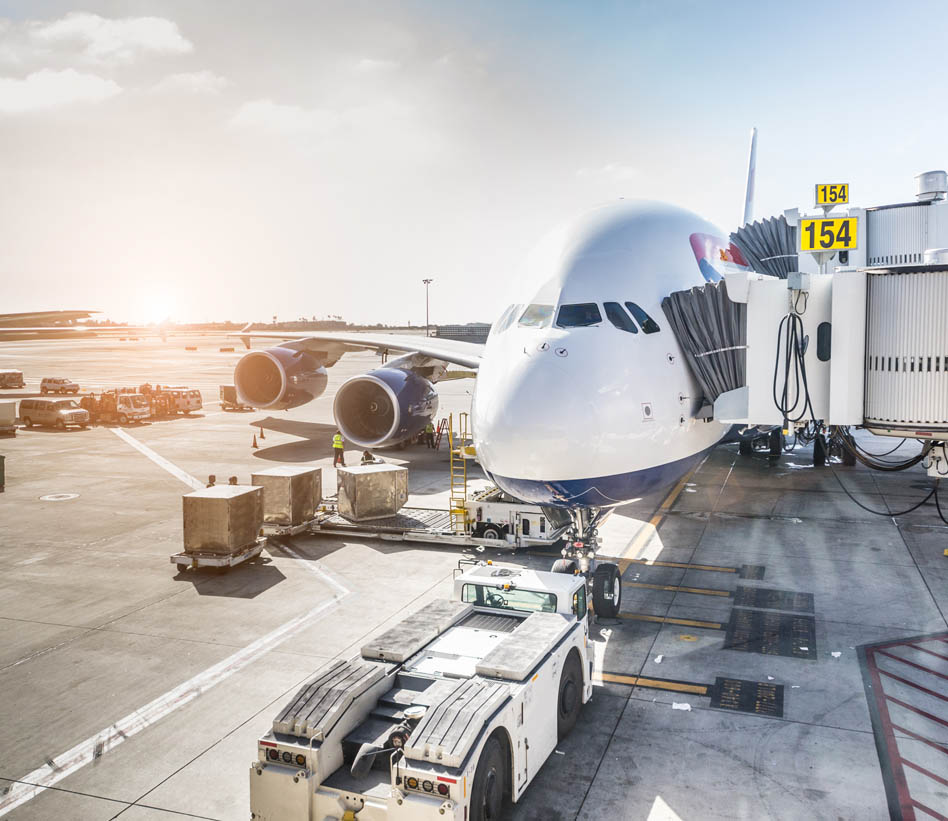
{"x": 31, "y": 785}
{"x": 172, "y": 468}
{"x": 311, "y": 566}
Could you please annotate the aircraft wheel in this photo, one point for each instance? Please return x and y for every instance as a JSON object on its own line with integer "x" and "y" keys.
{"x": 490, "y": 780}
{"x": 607, "y": 590}
{"x": 564, "y": 566}
{"x": 570, "y": 699}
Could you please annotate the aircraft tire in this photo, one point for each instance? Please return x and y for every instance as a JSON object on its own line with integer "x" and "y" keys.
{"x": 607, "y": 591}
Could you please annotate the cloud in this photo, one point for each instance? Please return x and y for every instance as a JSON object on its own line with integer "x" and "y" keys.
{"x": 287, "y": 119}
{"x": 95, "y": 39}
{"x": 613, "y": 172}
{"x": 197, "y": 82}
{"x": 371, "y": 65}
{"x": 48, "y": 88}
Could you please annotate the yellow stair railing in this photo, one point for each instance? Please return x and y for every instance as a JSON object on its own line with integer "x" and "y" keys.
{"x": 457, "y": 445}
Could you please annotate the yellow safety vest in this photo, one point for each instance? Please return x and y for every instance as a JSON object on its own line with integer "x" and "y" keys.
{"x": 429, "y": 428}
{"x": 337, "y": 441}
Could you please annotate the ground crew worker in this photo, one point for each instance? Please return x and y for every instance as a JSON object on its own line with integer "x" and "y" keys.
{"x": 429, "y": 435}
{"x": 338, "y": 450}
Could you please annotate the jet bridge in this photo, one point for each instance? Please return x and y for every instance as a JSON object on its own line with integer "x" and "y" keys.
{"x": 842, "y": 320}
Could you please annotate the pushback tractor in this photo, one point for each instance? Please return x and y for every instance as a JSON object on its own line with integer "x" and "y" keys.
{"x": 449, "y": 714}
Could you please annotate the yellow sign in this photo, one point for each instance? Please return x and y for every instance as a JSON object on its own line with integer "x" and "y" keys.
{"x": 828, "y": 234}
{"x": 832, "y": 193}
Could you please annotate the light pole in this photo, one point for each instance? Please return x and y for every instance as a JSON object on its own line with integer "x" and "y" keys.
{"x": 427, "y": 282}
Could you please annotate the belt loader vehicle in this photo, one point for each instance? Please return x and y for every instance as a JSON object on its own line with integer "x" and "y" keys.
{"x": 449, "y": 714}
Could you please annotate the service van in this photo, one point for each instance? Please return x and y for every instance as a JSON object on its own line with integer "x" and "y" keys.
{"x": 55, "y": 413}
{"x": 57, "y": 384}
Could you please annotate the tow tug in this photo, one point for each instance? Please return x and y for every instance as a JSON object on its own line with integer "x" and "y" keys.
{"x": 449, "y": 714}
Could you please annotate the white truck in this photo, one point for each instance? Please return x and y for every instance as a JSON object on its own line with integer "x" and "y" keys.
{"x": 449, "y": 714}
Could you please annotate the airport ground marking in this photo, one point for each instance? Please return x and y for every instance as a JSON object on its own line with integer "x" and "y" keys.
{"x": 756, "y": 697}
{"x": 106, "y": 740}
{"x": 158, "y": 459}
{"x": 701, "y": 591}
{"x": 707, "y": 625}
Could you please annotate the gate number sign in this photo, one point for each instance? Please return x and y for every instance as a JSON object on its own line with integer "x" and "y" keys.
{"x": 828, "y": 234}
{"x": 832, "y": 193}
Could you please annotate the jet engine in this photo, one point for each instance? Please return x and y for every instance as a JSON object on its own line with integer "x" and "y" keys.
{"x": 384, "y": 407}
{"x": 279, "y": 378}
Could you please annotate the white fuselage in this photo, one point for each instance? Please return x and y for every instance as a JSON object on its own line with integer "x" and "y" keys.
{"x": 595, "y": 415}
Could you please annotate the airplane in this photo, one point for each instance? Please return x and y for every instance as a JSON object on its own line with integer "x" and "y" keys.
{"x": 583, "y": 399}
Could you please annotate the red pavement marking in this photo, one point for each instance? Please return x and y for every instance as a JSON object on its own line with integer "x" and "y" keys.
{"x": 926, "y": 650}
{"x": 916, "y": 710}
{"x": 913, "y": 684}
{"x": 917, "y": 737}
{"x": 913, "y": 664}
{"x": 923, "y": 771}
{"x": 933, "y": 813}
{"x": 892, "y": 747}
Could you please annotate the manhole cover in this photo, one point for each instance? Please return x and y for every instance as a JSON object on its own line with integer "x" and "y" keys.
{"x": 59, "y": 497}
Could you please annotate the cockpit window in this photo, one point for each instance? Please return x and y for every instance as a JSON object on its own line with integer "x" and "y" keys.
{"x": 537, "y": 316}
{"x": 579, "y": 315}
{"x": 649, "y": 325}
{"x": 619, "y": 318}
{"x": 506, "y": 318}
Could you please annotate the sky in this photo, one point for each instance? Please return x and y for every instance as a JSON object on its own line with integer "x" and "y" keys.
{"x": 219, "y": 160}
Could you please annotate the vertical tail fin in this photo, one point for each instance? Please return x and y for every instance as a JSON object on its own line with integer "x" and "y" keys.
{"x": 751, "y": 176}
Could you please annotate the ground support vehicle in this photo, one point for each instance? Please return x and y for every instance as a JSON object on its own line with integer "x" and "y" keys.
{"x": 57, "y": 413}
{"x": 492, "y": 514}
{"x": 422, "y": 524}
{"x": 446, "y": 715}
{"x": 10, "y": 378}
{"x": 229, "y": 399}
{"x": 57, "y": 384}
{"x": 165, "y": 400}
{"x": 225, "y": 561}
{"x": 117, "y": 406}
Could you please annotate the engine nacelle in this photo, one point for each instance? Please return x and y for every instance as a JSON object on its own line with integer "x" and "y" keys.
{"x": 279, "y": 378}
{"x": 384, "y": 407}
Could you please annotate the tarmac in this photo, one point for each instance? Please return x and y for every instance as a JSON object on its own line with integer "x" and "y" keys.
{"x": 781, "y": 652}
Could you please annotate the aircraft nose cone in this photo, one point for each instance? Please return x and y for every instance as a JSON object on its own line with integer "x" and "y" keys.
{"x": 533, "y": 417}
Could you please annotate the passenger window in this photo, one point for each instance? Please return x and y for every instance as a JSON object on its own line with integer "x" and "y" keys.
{"x": 619, "y": 318}
{"x": 580, "y": 315}
{"x": 649, "y": 325}
{"x": 537, "y": 316}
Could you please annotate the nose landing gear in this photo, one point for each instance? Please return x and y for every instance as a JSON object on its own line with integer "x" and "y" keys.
{"x": 603, "y": 579}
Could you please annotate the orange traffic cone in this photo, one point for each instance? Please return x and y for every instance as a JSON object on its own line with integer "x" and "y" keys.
{"x": 261, "y": 434}
{"x": 255, "y": 445}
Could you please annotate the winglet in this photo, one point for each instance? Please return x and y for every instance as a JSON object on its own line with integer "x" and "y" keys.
{"x": 246, "y": 339}
{"x": 751, "y": 176}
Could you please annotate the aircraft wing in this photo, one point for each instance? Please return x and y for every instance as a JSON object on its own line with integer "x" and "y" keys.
{"x": 335, "y": 343}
